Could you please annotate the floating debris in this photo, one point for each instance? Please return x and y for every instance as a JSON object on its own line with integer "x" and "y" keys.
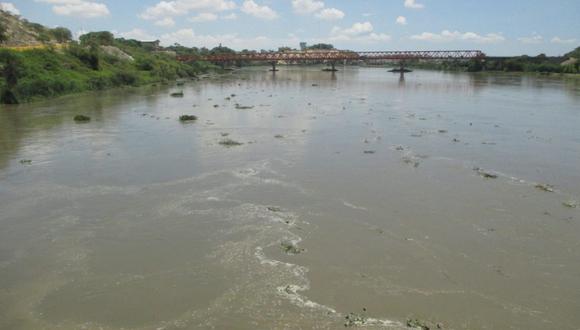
{"x": 411, "y": 161}
{"x": 225, "y": 134}
{"x": 279, "y": 136}
{"x": 485, "y": 174}
{"x": 400, "y": 148}
{"x": 370, "y": 152}
{"x": 355, "y": 320}
{"x": 185, "y": 118}
{"x": 243, "y": 107}
{"x": 82, "y": 118}
{"x": 572, "y": 204}
{"x": 456, "y": 140}
{"x": 275, "y": 209}
{"x": 230, "y": 143}
{"x": 545, "y": 187}
{"x": 290, "y": 247}
{"x": 423, "y": 325}
{"x": 442, "y": 131}
{"x": 25, "y": 161}
{"x": 176, "y": 94}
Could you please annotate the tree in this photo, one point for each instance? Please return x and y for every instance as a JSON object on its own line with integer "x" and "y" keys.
{"x": 103, "y": 38}
{"x": 322, "y": 47}
{"x": 3, "y": 33}
{"x": 61, "y": 34}
{"x": 9, "y": 70}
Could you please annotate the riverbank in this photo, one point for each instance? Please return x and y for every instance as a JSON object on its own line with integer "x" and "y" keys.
{"x": 46, "y": 73}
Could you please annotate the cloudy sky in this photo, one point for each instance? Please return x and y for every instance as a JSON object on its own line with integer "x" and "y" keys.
{"x": 498, "y": 27}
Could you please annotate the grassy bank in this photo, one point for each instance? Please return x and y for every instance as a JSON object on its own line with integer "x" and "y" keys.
{"x": 42, "y": 73}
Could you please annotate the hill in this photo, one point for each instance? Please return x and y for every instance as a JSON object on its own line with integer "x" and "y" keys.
{"x": 18, "y": 32}
{"x": 34, "y": 67}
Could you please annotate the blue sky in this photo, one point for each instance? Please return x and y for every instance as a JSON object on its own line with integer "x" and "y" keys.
{"x": 507, "y": 27}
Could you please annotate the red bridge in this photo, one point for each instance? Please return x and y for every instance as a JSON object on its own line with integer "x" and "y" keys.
{"x": 335, "y": 55}
{"x": 332, "y": 56}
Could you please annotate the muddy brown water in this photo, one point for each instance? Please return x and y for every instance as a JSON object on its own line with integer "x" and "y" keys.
{"x": 137, "y": 221}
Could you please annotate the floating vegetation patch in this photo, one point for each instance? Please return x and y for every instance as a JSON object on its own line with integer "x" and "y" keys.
{"x": 355, "y": 320}
{"x": 176, "y": 94}
{"x": 485, "y": 174}
{"x": 572, "y": 204}
{"x": 243, "y": 107}
{"x": 25, "y": 161}
{"x": 187, "y": 118}
{"x": 290, "y": 247}
{"x": 82, "y": 118}
{"x": 545, "y": 187}
{"x": 423, "y": 325}
{"x": 230, "y": 143}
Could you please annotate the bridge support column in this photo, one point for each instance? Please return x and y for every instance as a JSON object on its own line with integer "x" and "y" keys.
{"x": 332, "y": 67}
{"x": 274, "y": 66}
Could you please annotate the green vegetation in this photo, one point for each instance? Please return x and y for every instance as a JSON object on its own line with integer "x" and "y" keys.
{"x": 98, "y": 61}
{"x": 230, "y": 143}
{"x": 186, "y": 118}
{"x": 41, "y": 73}
{"x": 569, "y": 63}
{"x": 82, "y": 118}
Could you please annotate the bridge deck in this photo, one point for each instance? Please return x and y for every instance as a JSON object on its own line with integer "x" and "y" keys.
{"x": 338, "y": 56}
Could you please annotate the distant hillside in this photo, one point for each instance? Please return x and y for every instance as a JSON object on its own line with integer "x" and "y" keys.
{"x": 18, "y": 32}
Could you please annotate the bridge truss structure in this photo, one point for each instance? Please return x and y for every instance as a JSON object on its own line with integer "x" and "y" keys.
{"x": 338, "y": 56}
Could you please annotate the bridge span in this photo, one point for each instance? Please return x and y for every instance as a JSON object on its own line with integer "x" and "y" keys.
{"x": 333, "y": 56}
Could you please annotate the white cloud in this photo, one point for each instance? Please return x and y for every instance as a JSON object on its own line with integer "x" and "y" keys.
{"x": 188, "y": 37}
{"x": 173, "y": 8}
{"x": 449, "y": 36}
{"x": 204, "y": 17}
{"x": 359, "y": 32}
{"x": 304, "y": 7}
{"x": 558, "y": 40}
{"x": 330, "y": 14}
{"x": 166, "y": 22}
{"x": 9, "y": 7}
{"x": 250, "y": 7}
{"x": 413, "y": 4}
{"x": 231, "y": 16}
{"x": 78, "y": 8}
{"x": 355, "y": 29}
{"x": 136, "y": 34}
{"x": 401, "y": 20}
{"x": 533, "y": 39}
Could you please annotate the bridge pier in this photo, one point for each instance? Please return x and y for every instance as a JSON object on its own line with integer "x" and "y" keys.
{"x": 332, "y": 67}
{"x": 273, "y": 63}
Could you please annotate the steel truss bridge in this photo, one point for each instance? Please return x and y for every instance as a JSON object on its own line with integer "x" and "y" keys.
{"x": 338, "y": 56}
{"x": 333, "y": 56}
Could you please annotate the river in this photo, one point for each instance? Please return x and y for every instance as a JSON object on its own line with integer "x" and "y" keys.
{"x": 354, "y": 198}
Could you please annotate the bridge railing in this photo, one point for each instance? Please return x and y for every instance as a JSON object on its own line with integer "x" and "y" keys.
{"x": 338, "y": 55}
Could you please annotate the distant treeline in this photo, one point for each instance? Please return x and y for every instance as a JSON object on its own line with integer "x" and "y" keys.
{"x": 568, "y": 63}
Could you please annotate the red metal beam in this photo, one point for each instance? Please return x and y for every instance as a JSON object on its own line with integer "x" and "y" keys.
{"x": 338, "y": 56}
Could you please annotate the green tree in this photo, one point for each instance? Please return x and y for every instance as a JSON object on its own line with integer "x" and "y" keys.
{"x": 3, "y": 33}
{"x": 61, "y": 34}
{"x": 103, "y": 38}
{"x": 9, "y": 67}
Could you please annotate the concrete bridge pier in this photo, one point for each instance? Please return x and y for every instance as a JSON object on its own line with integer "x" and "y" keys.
{"x": 274, "y": 63}
{"x": 332, "y": 67}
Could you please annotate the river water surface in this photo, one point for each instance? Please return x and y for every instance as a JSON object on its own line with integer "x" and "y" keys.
{"x": 351, "y": 193}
